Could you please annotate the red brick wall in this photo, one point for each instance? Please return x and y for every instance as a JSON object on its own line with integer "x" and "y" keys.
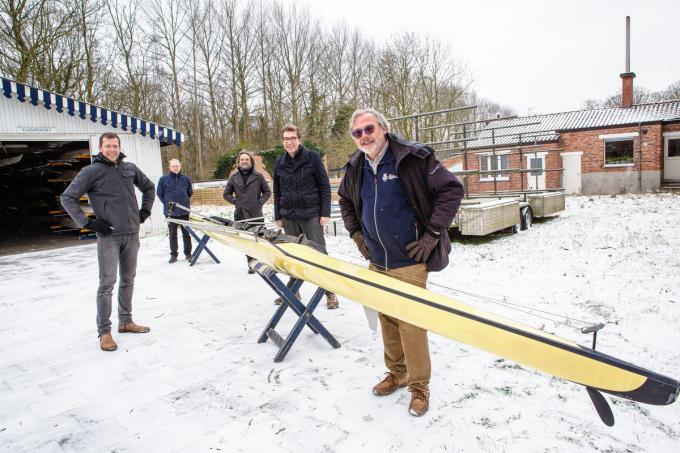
{"x": 672, "y": 128}
{"x": 517, "y": 181}
{"x": 592, "y": 146}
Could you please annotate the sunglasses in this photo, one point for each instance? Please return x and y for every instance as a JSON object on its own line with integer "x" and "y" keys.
{"x": 368, "y": 130}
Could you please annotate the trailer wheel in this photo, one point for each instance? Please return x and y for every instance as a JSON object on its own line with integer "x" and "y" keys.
{"x": 526, "y": 218}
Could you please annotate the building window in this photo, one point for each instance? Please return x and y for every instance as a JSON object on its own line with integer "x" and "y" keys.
{"x": 618, "y": 152}
{"x": 489, "y": 162}
{"x": 674, "y": 147}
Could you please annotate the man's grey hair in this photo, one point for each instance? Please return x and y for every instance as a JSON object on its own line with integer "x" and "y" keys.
{"x": 173, "y": 160}
{"x": 382, "y": 121}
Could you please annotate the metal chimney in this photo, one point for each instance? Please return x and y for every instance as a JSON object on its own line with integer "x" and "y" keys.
{"x": 627, "y": 77}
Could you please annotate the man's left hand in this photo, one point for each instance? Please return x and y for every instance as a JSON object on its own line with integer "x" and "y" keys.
{"x": 143, "y": 215}
{"x": 421, "y": 249}
{"x": 324, "y": 220}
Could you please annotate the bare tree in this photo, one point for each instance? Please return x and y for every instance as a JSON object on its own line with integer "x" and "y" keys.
{"x": 672, "y": 91}
{"x": 27, "y": 29}
{"x": 208, "y": 41}
{"x": 240, "y": 49}
{"x": 293, "y": 29}
{"x": 131, "y": 49}
{"x": 169, "y": 32}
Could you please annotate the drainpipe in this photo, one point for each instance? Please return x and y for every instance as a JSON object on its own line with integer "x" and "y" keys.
{"x": 640, "y": 157}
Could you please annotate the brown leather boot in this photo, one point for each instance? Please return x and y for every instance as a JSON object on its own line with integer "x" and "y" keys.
{"x": 132, "y": 327}
{"x": 331, "y": 301}
{"x": 420, "y": 401}
{"x": 390, "y": 384}
{"x": 106, "y": 342}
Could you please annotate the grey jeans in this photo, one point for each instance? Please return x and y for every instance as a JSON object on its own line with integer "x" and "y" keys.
{"x": 114, "y": 252}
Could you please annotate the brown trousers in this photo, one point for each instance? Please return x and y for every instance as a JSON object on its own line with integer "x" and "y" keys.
{"x": 406, "y": 346}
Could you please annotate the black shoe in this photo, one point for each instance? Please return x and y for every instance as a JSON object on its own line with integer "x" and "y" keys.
{"x": 188, "y": 257}
{"x": 173, "y": 259}
{"x": 250, "y": 271}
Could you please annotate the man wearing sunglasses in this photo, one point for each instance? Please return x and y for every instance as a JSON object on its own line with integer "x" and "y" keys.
{"x": 397, "y": 202}
{"x": 302, "y": 195}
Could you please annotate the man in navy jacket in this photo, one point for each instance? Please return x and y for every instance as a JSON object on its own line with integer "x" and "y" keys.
{"x": 397, "y": 202}
{"x": 176, "y": 187}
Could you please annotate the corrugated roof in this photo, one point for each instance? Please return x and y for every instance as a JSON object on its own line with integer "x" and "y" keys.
{"x": 553, "y": 123}
{"x": 64, "y": 104}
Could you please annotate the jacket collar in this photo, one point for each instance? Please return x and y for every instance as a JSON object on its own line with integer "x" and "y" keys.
{"x": 300, "y": 153}
{"x": 400, "y": 148}
{"x": 103, "y": 160}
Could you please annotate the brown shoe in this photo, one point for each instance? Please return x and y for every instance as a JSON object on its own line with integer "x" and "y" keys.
{"x": 279, "y": 301}
{"x": 390, "y": 384}
{"x": 106, "y": 342}
{"x": 331, "y": 301}
{"x": 420, "y": 401}
{"x": 132, "y": 327}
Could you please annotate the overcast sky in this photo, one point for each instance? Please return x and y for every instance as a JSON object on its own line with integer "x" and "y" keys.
{"x": 534, "y": 56}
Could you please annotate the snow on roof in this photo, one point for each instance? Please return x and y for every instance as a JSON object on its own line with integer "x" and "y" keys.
{"x": 551, "y": 124}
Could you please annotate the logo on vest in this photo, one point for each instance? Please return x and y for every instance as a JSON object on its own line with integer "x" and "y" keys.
{"x": 387, "y": 176}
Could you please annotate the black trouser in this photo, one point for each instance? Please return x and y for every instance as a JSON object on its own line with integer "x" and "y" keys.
{"x": 186, "y": 238}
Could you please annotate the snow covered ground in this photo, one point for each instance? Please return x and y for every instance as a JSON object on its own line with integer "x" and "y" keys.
{"x": 200, "y": 382}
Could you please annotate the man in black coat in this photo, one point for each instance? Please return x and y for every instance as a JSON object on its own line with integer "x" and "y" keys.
{"x": 302, "y": 195}
{"x": 248, "y": 191}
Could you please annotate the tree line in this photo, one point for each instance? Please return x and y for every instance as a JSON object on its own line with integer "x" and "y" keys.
{"x": 230, "y": 73}
{"x": 641, "y": 95}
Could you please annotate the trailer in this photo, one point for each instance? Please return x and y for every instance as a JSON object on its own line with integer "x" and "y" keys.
{"x": 479, "y": 216}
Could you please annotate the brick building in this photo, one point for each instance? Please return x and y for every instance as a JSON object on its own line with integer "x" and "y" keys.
{"x": 631, "y": 148}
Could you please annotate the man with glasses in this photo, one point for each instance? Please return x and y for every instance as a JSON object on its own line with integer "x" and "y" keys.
{"x": 397, "y": 202}
{"x": 302, "y": 195}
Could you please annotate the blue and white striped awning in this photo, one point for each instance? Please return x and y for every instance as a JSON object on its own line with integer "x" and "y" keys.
{"x": 65, "y": 104}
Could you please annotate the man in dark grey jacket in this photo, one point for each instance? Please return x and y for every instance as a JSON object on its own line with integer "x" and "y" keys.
{"x": 110, "y": 186}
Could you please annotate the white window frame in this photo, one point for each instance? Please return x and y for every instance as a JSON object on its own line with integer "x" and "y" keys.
{"x": 666, "y": 137}
{"x": 617, "y": 138}
{"x": 489, "y": 177}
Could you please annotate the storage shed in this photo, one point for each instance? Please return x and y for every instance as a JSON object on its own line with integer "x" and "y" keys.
{"x": 45, "y": 139}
